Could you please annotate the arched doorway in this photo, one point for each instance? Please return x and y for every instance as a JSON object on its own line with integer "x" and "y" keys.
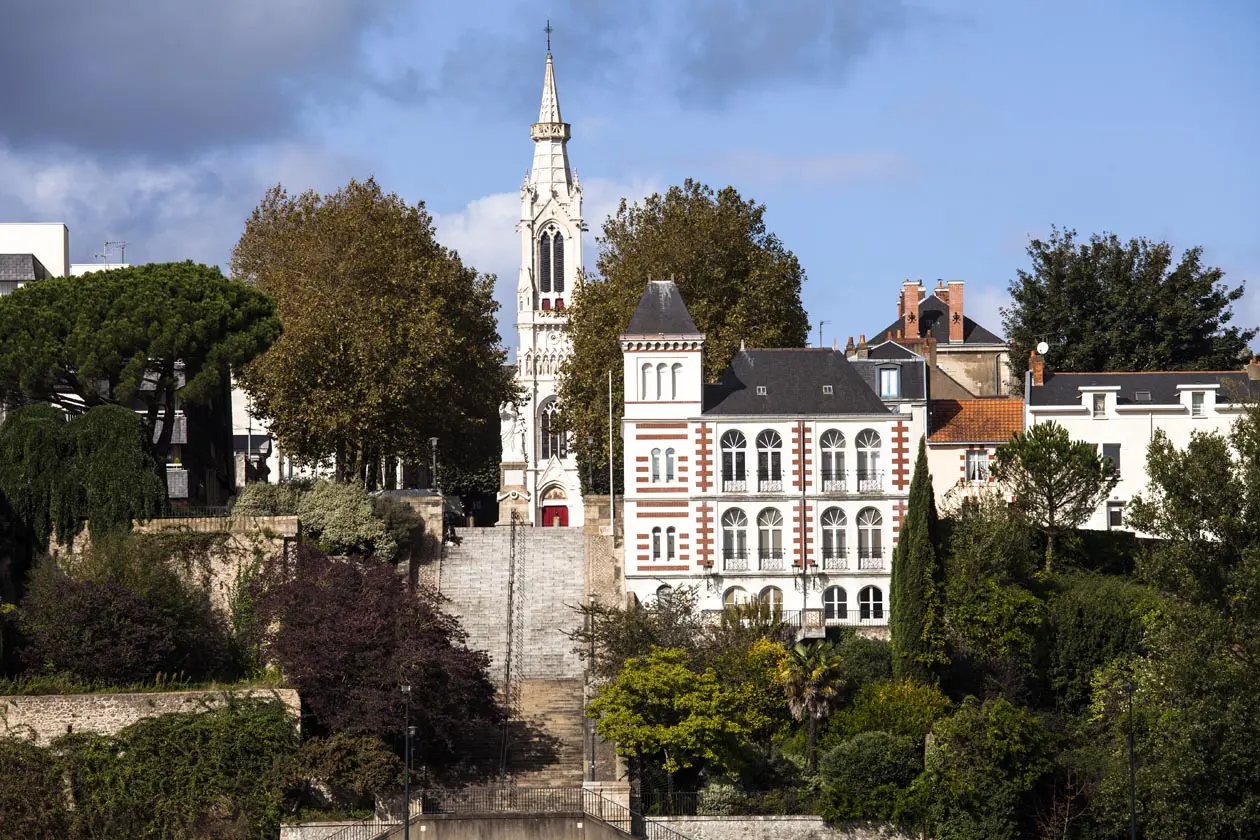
{"x": 555, "y": 510}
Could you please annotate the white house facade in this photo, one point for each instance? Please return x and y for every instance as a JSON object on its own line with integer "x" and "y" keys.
{"x": 784, "y": 482}
{"x": 538, "y": 469}
{"x": 1120, "y": 413}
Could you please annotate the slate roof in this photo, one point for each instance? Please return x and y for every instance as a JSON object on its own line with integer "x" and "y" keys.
{"x": 1061, "y": 388}
{"x": 794, "y": 380}
{"x": 21, "y": 268}
{"x": 661, "y": 311}
{"x": 892, "y": 350}
{"x": 912, "y": 370}
{"x": 934, "y": 320}
{"x": 974, "y": 421}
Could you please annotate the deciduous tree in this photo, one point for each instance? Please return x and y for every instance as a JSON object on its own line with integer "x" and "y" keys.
{"x": 917, "y": 596}
{"x": 739, "y": 281}
{"x": 389, "y": 338}
{"x": 1112, "y": 305}
{"x": 1057, "y": 482}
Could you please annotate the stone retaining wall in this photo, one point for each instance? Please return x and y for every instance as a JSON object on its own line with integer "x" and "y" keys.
{"x": 776, "y": 828}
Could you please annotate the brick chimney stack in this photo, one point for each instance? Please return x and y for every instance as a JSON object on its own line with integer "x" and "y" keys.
{"x": 849, "y": 349}
{"x": 955, "y": 302}
{"x": 863, "y": 351}
{"x": 1037, "y": 367}
{"x": 908, "y": 307}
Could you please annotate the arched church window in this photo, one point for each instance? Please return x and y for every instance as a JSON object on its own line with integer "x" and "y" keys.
{"x": 552, "y": 440}
{"x": 557, "y": 262}
{"x": 544, "y": 263}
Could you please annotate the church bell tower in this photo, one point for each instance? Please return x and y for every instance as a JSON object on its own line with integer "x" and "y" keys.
{"x": 538, "y": 474}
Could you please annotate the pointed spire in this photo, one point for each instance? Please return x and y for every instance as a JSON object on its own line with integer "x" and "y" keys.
{"x": 550, "y": 135}
{"x": 550, "y": 110}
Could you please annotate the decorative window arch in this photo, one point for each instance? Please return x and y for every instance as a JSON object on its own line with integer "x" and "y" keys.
{"x": 870, "y": 604}
{"x": 733, "y": 468}
{"x": 544, "y": 263}
{"x": 770, "y": 538}
{"x": 736, "y": 596}
{"x": 675, "y": 373}
{"x": 646, "y": 385}
{"x": 769, "y": 461}
{"x": 671, "y": 543}
{"x": 834, "y": 545}
{"x": 771, "y": 598}
{"x": 670, "y": 464}
{"x": 870, "y": 524}
{"x": 832, "y": 446}
{"x": 551, "y": 441}
{"x": 557, "y": 263}
{"x": 656, "y": 465}
{"x": 656, "y": 543}
{"x": 868, "y": 446}
{"x": 835, "y": 604}
{"x": 664, "y": 592}
{"x": 660, "y": 381}
{"x": 735, "y": 540}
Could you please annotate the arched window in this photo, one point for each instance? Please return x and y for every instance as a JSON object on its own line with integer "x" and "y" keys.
{"x": 644, "y": 392}
{"x": 736, "y": 596}
{"x": 735, "y": 540}
{"x": 769, "y": 461}
{"x": 835, "y": 554}
{"x": 870, "y": 603}
{"x": 772, "y": 598}
{"x": 869, "y": 476}
{"x": 671, "y": 542}
{"x": 544, "y": 263}
{"x": 870, "y": 539}
{"x": 557, "y": 262}
{"x": 675, "y": 373}
{"x": 656, "y": 465}
{"x": 733, "y": 476}
{"x": 664, "y": 592}
{"x": 832, "y": 444}
{"x": 552, "y": 441}
{"x": 669, "y": 465}
{"x": 656, "y": 543}
{"x": 770, "y": 539}
{"x": 660, "y": 381}
{"x": 835, "y": 604}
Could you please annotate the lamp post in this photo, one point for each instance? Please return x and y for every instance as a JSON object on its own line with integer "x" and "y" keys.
{"x": 1129, "y": 688}
{"x": 433, "y": 442}
{"x": 408, "y": 729}
{"x": 591, "y": 668}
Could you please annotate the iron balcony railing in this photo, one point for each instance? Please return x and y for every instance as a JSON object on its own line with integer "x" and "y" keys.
{"x": 769, "y": 483}
{"x": 770, "y": 560}
{"x": 835, "y": 559}
{"x": 870, "y": 481}
{"x": 870, "y": 558}
{"x": 835, "y": 481}
{"x": 734, "y": 485}
{"x": 850, "y": 615}
{"x": 735, "y": 559}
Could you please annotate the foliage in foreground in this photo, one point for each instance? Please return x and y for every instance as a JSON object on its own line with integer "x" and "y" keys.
{"x": 917, "y": 595}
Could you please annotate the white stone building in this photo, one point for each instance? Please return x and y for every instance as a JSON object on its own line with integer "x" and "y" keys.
{"x": 538, "y": 471}
{"x": 1120, "y": 412}
{"x": 784, "y": 482}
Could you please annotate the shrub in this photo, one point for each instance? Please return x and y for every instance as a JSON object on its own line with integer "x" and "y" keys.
{"x": 864, "y": 776}
{"x": 263, "y": 499}
{"x": 32, "y": 801}
{"x": 354, "y": 769}
{"x": 863, "y": 660}
{"x": 718, "y": 799}
{"x": 905, "y": 708}
{"x": 340, "y": 519}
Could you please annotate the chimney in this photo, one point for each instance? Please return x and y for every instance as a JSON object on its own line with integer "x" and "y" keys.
{"x": 863, "y": 351}
{"x": 1037, "y": 367}
{"x": 942, "y": 294}
{"x": 908, "y": 307}
{"x": 955, "y": 302}
{"x": 1253, "y": 370}
{"x": 848, "y": 349}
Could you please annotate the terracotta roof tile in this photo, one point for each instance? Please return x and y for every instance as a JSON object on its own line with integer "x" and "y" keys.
{"x": 974, "y": 421}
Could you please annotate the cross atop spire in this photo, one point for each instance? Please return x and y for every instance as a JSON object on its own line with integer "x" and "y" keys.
{"x": 548, "y": 30}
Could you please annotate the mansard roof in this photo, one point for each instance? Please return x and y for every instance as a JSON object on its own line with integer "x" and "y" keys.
{"x": 1156, "y": 387}
{"x": 661, "y": 311}
{"x": 793, "y": 380}
{"x": 934, "y": 321}
{"x": 912, "y": 371}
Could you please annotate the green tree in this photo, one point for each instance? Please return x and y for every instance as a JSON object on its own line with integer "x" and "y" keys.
{"x": 917, "y": 589}
{"x": 1112, "y": 305}
{"x": 157, "y": 336}
{"x": 341, "y": 520}
{"x": 812, "y": 679}
{"x": 32, "y": 794}
{"x": 739, "y": 281}
{"x": 899, "y": 707}
{"x": 863, "y": 778}
{"x": 1057, "y": 482}
{"x": 34, "y": 467}
{"x": 618, "y": 634}
{"x": 389, "y": 339}
{"x": 660, "y": 708}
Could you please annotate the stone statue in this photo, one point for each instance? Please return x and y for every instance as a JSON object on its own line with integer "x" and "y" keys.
{"x": 512, "y": 434}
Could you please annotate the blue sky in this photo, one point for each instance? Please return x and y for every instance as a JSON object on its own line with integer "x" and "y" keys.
{"x": 922, "y": 140}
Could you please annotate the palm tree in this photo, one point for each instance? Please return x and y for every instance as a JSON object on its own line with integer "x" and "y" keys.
{"x": 812, "y": 681}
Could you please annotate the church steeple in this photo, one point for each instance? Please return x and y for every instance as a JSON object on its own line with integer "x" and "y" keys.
{"x": 551, "y": 136}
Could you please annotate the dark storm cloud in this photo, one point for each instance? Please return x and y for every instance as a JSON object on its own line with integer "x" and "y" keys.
{"x": 170, "y": 77}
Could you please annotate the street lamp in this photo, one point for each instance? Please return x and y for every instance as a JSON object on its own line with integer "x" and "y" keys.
{"x": 591, "y": 669}
{"x": 1129, "y": 688}
{"x": 433, "y": 463}
{"x": 408, "y": 730}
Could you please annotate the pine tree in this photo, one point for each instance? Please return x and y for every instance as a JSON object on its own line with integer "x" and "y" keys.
{"x": 917, "y": 622}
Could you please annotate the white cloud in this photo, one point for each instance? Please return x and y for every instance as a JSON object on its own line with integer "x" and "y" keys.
{"x": 983, "y": 305}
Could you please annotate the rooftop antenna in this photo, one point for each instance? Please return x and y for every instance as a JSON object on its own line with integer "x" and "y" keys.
{"x": 122, "y": 249}
{"x": 820, "y": 326}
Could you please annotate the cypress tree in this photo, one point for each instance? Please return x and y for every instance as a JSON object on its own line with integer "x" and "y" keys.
{"x": 916, "y": 623}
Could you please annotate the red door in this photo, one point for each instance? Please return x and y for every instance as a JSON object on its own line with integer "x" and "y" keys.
{"x": 555, "y": 516}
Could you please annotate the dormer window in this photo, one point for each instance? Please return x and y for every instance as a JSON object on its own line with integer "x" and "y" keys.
{"x": 1196, "y": 403}
{"x": 890, "y": 383}
{"x": 828, "y": 390}
{"x": 1142, "y": 396}
{"x": 1099, "y": 406}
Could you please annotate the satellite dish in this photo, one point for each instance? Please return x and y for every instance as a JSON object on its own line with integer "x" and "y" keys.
{"x": 1043, "y": 348}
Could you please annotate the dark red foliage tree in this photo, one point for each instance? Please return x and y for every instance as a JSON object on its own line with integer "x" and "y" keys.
{"x": 349, "y": 635}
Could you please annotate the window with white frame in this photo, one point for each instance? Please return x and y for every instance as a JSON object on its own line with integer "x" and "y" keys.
{"x": 869, "y": 476}
{"x": 977, "y": 466}
{"x": 769, "y": 461}
{"x": 1115, "y": 516}
{"x": 656, "y": 543}
{"x": 835, "y": 604}
{"x": 771, "y": 598}
{"x": 733, "y": 473}
{"x": 834, "y": 550}
{"x": 770, "y": 539}
{"x": 736, "y": 596}
{"x": 656, "y": 465}
{"x": 870, "y": 524}
{"x": 735, "y": 540}
{"x": 1196, "y": 403}
{"x": 1099, "y": 405}
{"x": 1111, "y": 452}
{"x": 832, "y": 446}
{"x": 671, "y": 543}
{"x": 890, "y": 383}
{"x": 870, "y": 604}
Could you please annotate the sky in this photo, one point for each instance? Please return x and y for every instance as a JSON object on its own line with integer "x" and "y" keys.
{"x": 887, "y": 139}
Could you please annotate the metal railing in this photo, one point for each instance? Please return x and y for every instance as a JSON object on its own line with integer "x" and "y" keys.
{"x": 195, "y": 512}
{"x": 734, "y": 560}
{"x": 733, "y": 485}
{"x": 835, "y": 481}
{"x": 836, "y": 560}
{"x": 770, "y": 560}
{"x": 766, "y": 484}
{"x": 751, "y": 803}
{"x": 870, "y": 481}
{"x": 870, "y": 558}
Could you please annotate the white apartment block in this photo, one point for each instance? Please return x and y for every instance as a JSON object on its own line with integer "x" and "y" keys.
{"x": 784, "y": 482}
{"x": 1120, "y": 413}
